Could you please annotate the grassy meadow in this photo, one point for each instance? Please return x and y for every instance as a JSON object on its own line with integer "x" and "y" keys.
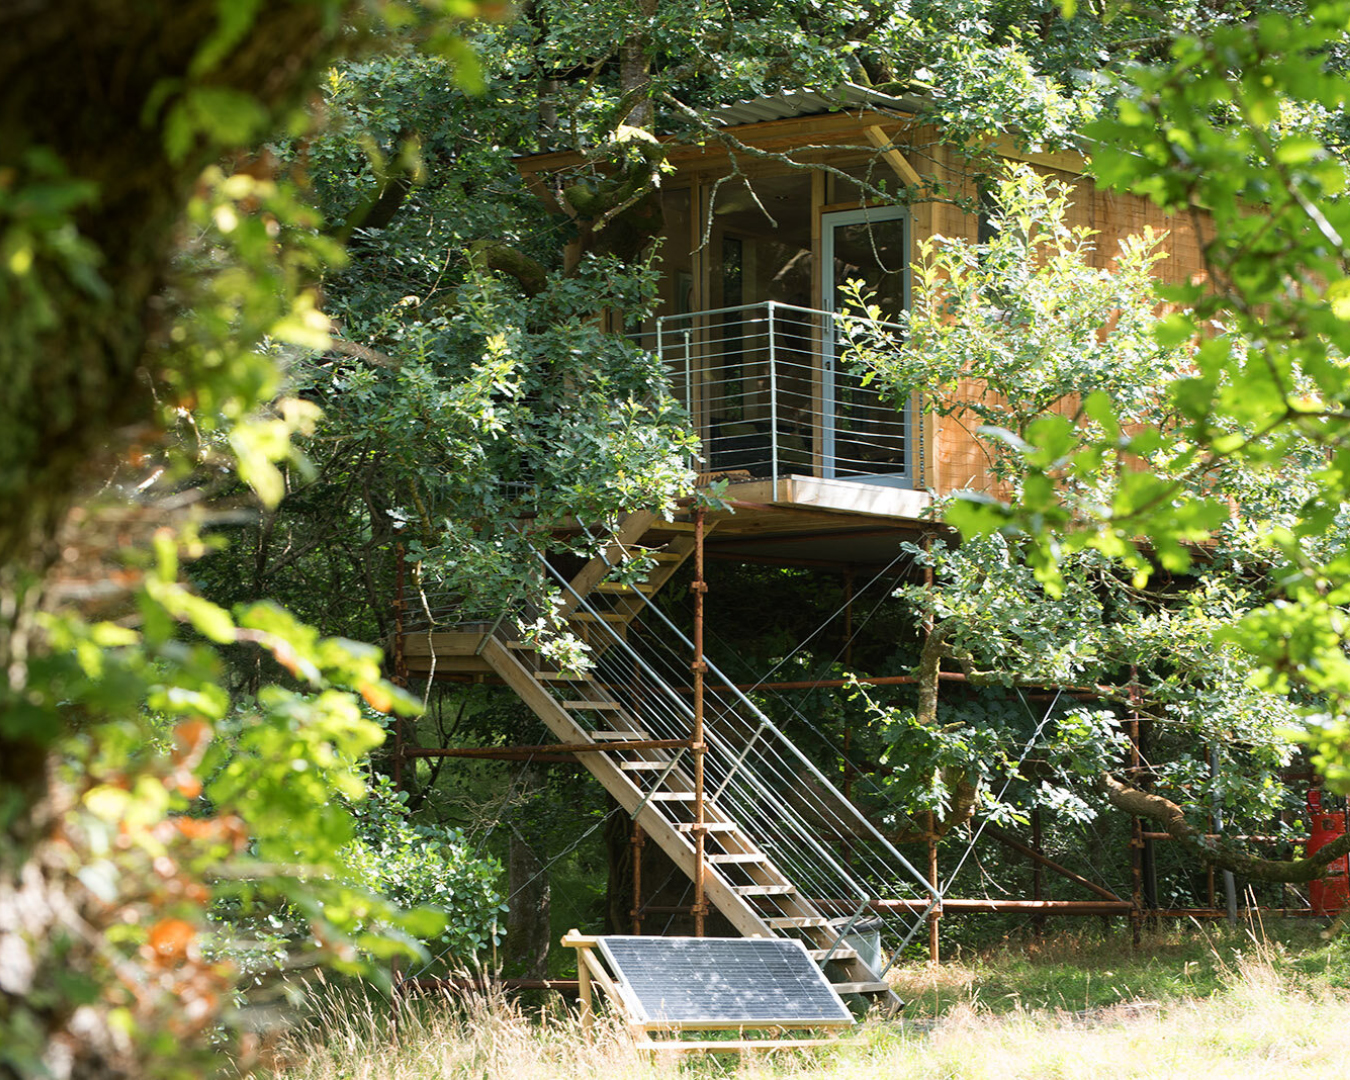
{"x": 1255, "y": 1003}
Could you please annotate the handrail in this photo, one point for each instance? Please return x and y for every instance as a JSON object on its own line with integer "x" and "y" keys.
{"x": 772, "y": 304}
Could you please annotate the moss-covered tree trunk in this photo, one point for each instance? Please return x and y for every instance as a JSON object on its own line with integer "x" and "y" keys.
{"x": 91, "y": 206}
{"x": 89, "y": 87}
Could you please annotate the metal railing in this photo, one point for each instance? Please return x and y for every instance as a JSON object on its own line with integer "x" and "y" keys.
{"x": 835, "y": 855}
{"x": 770, "y": 393}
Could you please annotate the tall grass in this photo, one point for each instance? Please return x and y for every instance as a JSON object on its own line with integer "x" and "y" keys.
{"x": 1255, "y": 1013}
{"x": 476, "y": 1036}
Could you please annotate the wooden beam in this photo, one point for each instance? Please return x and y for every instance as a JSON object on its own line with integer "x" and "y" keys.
{"x": 893, "y": 157}
{"x": 447, "y": 666}
{"x": 995, "y": 833}
{"x": 494, "y": 753}
{"x": 557, "y": 748}
{"x": 441, "y": 643}
{"x": 738, "y": 1046}
{"x": 627, "y": 535}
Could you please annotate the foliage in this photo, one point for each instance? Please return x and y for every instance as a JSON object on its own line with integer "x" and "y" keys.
{"x": 1002, "y": 334}
{"x": 1025, "y": 341}
{"x": 416, "y": 866}
{"x": 1243, "y": 123}
{"x": 165, "y": 799}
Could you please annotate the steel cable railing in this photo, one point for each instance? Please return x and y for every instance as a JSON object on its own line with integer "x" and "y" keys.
{"x": 770, "y": 393}
{"x": 761, "y": 779}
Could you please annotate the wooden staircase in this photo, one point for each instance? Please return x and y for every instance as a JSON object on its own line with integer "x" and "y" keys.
{"x": 650, "y": 774}
{"x": 595, "y": 577}
{"x": 653, "y": 785}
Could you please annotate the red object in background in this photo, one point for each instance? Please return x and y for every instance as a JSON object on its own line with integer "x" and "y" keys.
{"x": 1329, "y": 894}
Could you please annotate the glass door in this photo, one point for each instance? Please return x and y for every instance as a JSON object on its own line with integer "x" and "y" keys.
{"x": 865, "y": 436}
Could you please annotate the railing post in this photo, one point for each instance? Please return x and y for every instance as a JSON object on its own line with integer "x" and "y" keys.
{"x": 696, "y": 745}
{"x": 400, "y": 661}
{"x": 639, "y": 839}
{"x": 773, "y": 399}
{"x": 694, "y": 417}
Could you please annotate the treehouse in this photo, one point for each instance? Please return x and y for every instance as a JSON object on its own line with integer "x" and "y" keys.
{"x": 763, "y": 225}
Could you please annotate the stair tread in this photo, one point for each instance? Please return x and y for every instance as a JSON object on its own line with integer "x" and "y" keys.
{"x": 623, "y": 587}
{"x": 578, "y": 705}
{"x": 764, "y": 890}
{"x": 861, "y": 987}
{"x": 671, "y": 796}
{"x": 785, "y": 922}
{"x": 711, "y": 826}
{"x": 643, "y": 766}
{"x": 841, "y": 953}
{"x": 738, "y": 857}
{"x": 631, "y": 735}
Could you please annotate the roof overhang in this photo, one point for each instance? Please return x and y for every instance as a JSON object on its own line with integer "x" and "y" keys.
{"x": 791, "y": 120}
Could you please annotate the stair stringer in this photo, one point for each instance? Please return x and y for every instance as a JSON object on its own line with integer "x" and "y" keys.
{"x": 741, "y": 915}
{"x": 629, "y": 531}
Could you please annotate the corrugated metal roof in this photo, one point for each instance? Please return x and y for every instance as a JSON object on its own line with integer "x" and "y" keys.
{"x": 793, "y": 103}
{"x": 808, "y": 103}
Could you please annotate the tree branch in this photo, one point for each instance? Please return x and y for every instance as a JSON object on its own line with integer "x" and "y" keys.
{"x": 364, "y": 352}
{"x": 1172, "y": 818}
{"x": 495, "y": 255}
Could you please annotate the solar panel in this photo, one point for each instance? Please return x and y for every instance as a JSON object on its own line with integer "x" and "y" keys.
{"x": 722, "y": 982}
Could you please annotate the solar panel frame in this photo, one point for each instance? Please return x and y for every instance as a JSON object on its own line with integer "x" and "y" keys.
{"x": 720, "y": 984}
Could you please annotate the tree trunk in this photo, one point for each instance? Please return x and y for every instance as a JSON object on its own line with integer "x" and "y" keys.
{"x": 528, "y": 922}
{"x": 85, "y": 85}
{"x": 635, "y": 68}
{"x": 91, "y": 208}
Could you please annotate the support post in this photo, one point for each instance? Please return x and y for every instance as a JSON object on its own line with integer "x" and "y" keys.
{"x": 1148, "y": 853}
{"x": 696, "y": 746}
{"x": 584, "y": 993}
{"x": 1229, "y": 883}
{"x": 936, "y": 913}
{"x": 400, "y": 663}
{"x": 1136, "y": 832}
{"x": 639, "y": 839}
{"x": 400, "y": 679}
{"x": 1037, "y": 871}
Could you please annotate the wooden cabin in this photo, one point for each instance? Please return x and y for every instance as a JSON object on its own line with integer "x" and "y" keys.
{"x": 753, "y": 255}
{"x": 822, "y": 473}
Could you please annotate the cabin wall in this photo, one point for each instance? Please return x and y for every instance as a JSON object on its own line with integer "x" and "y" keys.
{"x": 956, "y": 460}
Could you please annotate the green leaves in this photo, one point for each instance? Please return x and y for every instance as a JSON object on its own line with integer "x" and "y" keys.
{"x": 212, "y": 116}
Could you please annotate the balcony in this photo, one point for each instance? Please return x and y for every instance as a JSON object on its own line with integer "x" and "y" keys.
{"x": 770, "y": 396}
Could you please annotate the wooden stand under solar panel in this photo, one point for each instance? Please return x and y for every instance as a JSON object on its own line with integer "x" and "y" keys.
{"x": 667, "y": 986}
